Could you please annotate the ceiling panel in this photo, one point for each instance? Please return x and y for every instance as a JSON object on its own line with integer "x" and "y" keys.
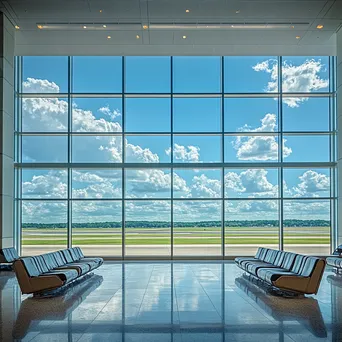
{"x": 27, "y": 13}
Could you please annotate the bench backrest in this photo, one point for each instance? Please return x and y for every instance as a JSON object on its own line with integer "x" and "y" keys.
{"x": 8, "y": 255}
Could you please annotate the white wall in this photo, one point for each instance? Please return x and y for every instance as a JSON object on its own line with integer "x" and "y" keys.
{"x": 7, "y": 33}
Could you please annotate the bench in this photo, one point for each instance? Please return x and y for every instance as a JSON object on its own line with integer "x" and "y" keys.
{"x": 289, "y": 272}
{"x": 7, "y": 257}
{"x": 336, "y": 260}
{"x": 47, "y": 272}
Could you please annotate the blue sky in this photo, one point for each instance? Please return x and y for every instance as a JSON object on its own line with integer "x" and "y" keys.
{"x": 191, "y": 75}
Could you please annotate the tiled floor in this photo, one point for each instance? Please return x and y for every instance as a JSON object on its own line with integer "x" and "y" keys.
{"x": 174, "y": 302}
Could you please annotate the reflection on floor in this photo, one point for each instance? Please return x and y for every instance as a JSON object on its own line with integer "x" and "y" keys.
{"x": 174, "y": 302}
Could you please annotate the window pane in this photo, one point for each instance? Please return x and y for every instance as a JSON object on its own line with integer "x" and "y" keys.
{"x": 148, "y": 115}
{"x": 197, "y": 114}
{"x": 305, "y": 114}
{"x": 251, "y": 183}
{"x": 196, "y": 74}
{"x": 251, "y": 115}
{"x": 97, "y": 74}
{"x": 250, "y": 225}
{"x": 306, "y": 182}
{"x": 147, "y": 74}
{"x": 299, "y": 150}
{"x": 197, "y": 228}
{"x": 44, "y": 183}
{"x": 96, "y": 115}
{"x": 97, "y": 149}
{"x": 307, "y": 227}
{"x": 197, "y": 183}
{"x": 45, "y": 148}
{"x": 44, "y": 114}
{"x": 148, "y": 228}
{"x": 96, "y": 184}
{"x": 261, "y": 73}
{"x": 196, "y": 149}
{"x": 97, "y": 227}
{"x": 305, "y": 74}
{"x": 248, "y": 148}
{"x": 43, "y": 74}
{"x": 44, "y": 227}
{"x": 148, "y": 183}
{"x": 147, "y": 149}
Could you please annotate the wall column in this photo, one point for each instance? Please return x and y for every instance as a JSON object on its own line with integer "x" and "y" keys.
{"x": 7, "y": 32}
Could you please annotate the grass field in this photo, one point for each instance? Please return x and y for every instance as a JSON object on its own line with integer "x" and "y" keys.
{"x": 182, "y": 236}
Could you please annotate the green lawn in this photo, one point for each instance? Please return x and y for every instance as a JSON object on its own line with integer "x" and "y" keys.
{"x": 183, "y": 236}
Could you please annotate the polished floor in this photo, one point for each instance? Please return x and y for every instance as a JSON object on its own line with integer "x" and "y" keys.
{"x": 173, "y": 302}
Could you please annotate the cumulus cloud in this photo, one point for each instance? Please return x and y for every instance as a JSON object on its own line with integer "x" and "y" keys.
{"x": 112, "y": 114}
{"x": 301, "y": 78}
{"x": 52, "y": 184}
{"x": 260, "y": 148}
{"x": 93, "y": 184}
{"x": 185, "y": 153}
{"x": 44, "y": 212}
{"x": 151, "y": 182}
{"x": 312, "y": 184}
{"x": 32, "y": 85}
{"x": 202, "y": 186}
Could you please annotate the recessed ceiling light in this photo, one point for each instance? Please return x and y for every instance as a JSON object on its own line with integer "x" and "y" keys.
{"x": 145, "y": 27}
{"x": 292, "y": 27}
{"x": 184, "y": 37}
{"x": 100, "y": 11}
{"x": 104, "y": 26}
{"x": 109, "y": 37}
{"x": 237, "y": 12}
{"x": 297, "y": 37}
{"x": 137, "y": 36}
{"x": 40, "y": 26}
{"x": 187, "y": 11}
{"x": 84, "y": 27}
{"x": 320, "y": 26}
{"x": 17, "y": 27}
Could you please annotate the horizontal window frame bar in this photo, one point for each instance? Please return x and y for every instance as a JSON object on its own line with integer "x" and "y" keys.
{"x": 175, "y": 133}
{"x": 179, "y": 199}
{"x": 175, "y": 95}
{"x": 175, "y": 165}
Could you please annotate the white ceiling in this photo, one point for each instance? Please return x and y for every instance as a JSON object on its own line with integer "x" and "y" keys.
{"x": 30, "y": 40}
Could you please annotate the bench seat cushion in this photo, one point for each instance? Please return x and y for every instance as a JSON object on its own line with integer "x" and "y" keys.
{"x": 253, "y": 268}
{"x": 334, "y": 261}
{"x": 66, "y": 275}
{"x": 272, "y": 274}
{"x": 82, "y": 268}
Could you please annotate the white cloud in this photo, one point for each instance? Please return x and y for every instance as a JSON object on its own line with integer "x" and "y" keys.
{"x": 202, "y": 186}
{"x": 260, "y": 148}
{"x": 44, "y": 212}
{"x": 307, "y": 210}
{"x": 138, "y": 154}
{"x": 252, "y": 182}
{"x": 151, "y": 182}
{"x": 113, "y": 114}
{"x": 52, "y": 184}
{"x": 301, "y": 78}
{"x": 185, "y": 153}
{"x": 312, "y": 183}
{"x": 32, "y": 85}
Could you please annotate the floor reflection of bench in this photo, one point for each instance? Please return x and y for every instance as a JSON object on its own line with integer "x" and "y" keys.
{"x": 58, "y": 308}
{"x": 305, "y": 311}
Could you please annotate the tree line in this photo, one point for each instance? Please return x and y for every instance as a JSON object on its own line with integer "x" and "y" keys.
{"x": 165, "y": 224}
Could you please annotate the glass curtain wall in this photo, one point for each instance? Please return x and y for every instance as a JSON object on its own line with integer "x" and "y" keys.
{"x": 175, "y": 157}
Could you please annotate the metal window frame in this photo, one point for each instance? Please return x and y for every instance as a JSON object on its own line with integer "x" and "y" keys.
{"x": 173, "y": 166}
